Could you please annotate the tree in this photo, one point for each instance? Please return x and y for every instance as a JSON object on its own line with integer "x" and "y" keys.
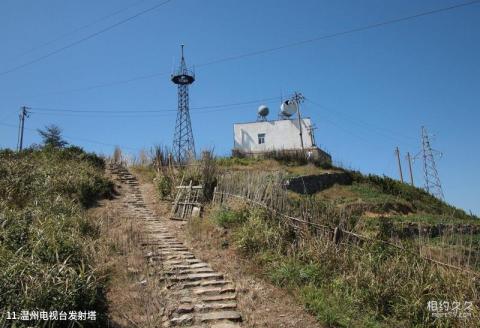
{"x": 52, "y": 136}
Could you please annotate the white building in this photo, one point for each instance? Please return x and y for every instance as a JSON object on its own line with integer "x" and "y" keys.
{"x": 267, "y": 136}
{"x": 257, "y": 138}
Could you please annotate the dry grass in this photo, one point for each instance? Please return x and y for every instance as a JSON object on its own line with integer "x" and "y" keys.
{"x": 367, "y": 285}
{"x": 261, "y": 303}
{"x": 134, "y": 293}
{"x": 335, "y": 192}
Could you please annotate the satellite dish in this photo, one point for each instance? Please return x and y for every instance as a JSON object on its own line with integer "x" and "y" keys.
{"x": 263, "y": 111}
{"x": 288, "y": 108}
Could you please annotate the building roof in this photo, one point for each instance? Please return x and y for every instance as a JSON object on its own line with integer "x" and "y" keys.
{"x": 267, "y": 121}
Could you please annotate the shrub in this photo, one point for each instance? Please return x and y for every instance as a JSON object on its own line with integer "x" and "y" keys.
{"x": 228, "y": 218}
{"x": 90, "y": 191}
{"x": 164, "y": 185}
{"x": 259, "y": 234}
{"x": 209, "y": 174}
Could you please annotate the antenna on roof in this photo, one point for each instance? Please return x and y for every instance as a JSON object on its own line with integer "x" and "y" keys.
{"x": 262, "y": 113}
{"x": 290, "y": 107}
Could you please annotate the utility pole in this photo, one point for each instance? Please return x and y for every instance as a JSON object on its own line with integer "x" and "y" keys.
{"x": 409, "y": 159}
{"x": 397, "y": 152}
{"x": 432, "y": 180}
{"x": 298, "y": 98}
{"x": 23, "y": 113}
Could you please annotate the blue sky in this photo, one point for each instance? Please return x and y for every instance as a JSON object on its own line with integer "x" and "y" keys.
{"x": 375, "y": 88}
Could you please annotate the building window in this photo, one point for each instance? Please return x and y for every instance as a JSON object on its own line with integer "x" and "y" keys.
{"x": 261, "y": 138}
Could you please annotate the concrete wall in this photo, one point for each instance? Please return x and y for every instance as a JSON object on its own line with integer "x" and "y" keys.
{"x": 311, "y": 184}
{"x": 281, "y": 134}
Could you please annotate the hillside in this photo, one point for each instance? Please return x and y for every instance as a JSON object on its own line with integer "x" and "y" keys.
{"x": 401, "y": 248}
{"x": 47, "y": 240}
{"x": 280, "y": 243}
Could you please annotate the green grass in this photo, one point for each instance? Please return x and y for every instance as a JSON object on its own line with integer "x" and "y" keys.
{"x": 370, "y": 285}
{"x": 369, "y": 193}
{"x": 433, "y": 219}
{"x": 226, "y": 218}
{"x": 333, "y": 310}
{"x": 234, "y": 161}
{"x": 47, "y": 241}
{"x": 420, "y": 200}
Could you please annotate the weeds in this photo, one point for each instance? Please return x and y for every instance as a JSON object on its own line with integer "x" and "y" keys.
{"x": 46, "y": 237}
{"x": 164, "y": 185}
{"x": 368, "y": 285}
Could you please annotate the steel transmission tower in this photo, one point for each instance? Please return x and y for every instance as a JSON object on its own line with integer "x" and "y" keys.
{"x": 432, "y": 180}
{"x": 183, "y": 143}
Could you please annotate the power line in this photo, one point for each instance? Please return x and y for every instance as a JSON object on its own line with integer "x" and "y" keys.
{"x": 78, "y": 139}
{"x": 78, "y": 29}
{"x": 369, "y": 127}
{"x": 341, "y": 33}
{"x": 7, "y": 116}
{"x": 86, "y": 38}
{"x": 281, "y": 47}
{"x": 133, "y": 111}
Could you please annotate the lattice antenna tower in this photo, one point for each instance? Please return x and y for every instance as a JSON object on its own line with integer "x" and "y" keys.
{"x": 183, "y": 142}
{"x": 432, "y": 180}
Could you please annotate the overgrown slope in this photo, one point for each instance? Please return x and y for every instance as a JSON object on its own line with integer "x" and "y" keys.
{"x": 46, "y": 239}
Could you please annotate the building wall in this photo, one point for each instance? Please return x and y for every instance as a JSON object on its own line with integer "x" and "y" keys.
{"x": 281, "y": 134}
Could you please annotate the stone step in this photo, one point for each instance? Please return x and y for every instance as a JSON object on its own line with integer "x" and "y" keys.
{"x": 231, "y": 305}
{"x": 221, "y": 297}
{"x": 203, "y": 283}
{"x": 185, "y": 319}
{"x": 213, "y": 290}
{"x": 186, "y": 261}
{"x": 186, "y": 266}
{"x": 175, "y": 249}
{"x": 193, "y": 271}
{"x": 185, "y": 308}
{"x": 221, "y": 315}
{"x": 216, "y": 283}
{"x": 175, "y": 255}
{"x": 197, "y": 276}
{"x": 178, "y": 257}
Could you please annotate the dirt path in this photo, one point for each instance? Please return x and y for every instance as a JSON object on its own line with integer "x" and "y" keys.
{"x": 261, "y": 304}
{"x": 196, "y": 295}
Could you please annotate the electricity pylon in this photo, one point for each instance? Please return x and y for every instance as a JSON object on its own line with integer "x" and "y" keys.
{"x": 432, "y": 180}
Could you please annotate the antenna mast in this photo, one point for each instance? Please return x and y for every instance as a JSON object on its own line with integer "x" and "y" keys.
{"x": 298, "y": 98}
{"x": 432, "y": 180}
{"x": 183, "y": 142}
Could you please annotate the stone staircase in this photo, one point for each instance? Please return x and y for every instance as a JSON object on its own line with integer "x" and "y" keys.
{"x": 201, "y": 297}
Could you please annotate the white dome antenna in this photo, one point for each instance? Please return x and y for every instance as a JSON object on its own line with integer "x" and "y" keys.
{"x": 262, "y": 113}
